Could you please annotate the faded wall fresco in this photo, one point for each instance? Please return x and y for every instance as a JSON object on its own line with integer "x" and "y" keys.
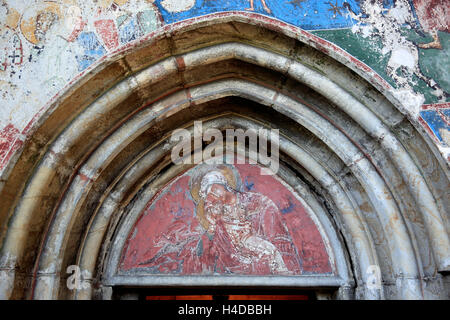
{"x": 44, "y": 45}
{"x": 226, "y": 220}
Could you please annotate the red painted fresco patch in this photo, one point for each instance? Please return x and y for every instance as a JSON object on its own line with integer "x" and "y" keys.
{"x": 107, "y": 31}
{"x": 226, "y": 221}
{"x": 8, "y": 145}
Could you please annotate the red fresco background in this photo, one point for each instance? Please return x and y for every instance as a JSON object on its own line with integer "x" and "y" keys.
{"x": 173, "y": 208}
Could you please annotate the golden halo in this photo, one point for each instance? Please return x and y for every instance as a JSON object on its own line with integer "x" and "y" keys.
{"x": 28, "y": 19}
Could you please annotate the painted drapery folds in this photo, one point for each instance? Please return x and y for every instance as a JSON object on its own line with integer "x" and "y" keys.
{"x": 226, "y": 220}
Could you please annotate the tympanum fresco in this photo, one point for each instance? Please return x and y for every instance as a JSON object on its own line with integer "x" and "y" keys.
{"x": 226, "y": 219}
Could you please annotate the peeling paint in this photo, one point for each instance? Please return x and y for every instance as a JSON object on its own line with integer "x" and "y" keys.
{"x": 50, "y": 42}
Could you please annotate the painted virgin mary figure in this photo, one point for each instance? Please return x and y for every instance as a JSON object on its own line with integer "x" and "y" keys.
{"x": 232, "y": 232}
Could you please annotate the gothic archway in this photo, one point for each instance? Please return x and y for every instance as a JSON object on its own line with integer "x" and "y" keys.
{"x": 99, "y": 154}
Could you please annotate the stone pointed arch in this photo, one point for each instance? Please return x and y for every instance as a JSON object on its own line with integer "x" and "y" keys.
{"x": 98, "y": 152}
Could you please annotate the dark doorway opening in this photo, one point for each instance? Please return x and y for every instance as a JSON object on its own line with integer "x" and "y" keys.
{"x": 220, "y": 294}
